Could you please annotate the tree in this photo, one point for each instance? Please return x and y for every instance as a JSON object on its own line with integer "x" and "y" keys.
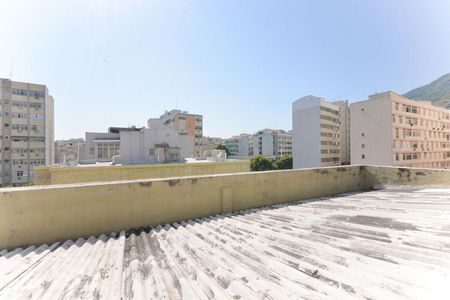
{"x": 260, "y": 163}
{"x": 283, "y": 163}
{"x": 223, "y": 147}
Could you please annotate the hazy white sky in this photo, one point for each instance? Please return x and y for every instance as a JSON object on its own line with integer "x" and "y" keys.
{"x": 239, "y": 63}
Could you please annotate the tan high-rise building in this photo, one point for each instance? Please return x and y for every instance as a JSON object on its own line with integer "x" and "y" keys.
{"x": 27, "y": 130}
{"x": 187, "y": 124}
{"x": 320, "y": 132}
{"x": 389, "y": 129}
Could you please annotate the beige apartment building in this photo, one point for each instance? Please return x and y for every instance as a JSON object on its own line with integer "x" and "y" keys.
{"x": 344, "y": 131}
{"x": 389, "y": 129}
{"x": 186, "y": 124}
{"x": 321, "y": 132}
{"x": 26, "y": 131}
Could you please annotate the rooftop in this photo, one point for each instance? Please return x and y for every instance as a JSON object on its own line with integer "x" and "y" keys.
{"x": 386, "y": 244}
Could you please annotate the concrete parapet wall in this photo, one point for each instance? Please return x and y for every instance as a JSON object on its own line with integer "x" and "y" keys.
{"x": 54, "y": 175}
{"x": 385, "y": 176}
{"x": 44, "y": 214}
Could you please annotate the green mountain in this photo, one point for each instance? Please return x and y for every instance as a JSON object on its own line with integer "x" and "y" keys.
{"x": 437, "y": 91}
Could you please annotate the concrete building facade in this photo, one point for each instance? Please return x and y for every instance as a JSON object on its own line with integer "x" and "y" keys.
{"x": 186, "y": 124}
{"x": 272, "y": 143}
{"x": 389, "y": 129}
{"x": 27, "y": 130}
{"x": 320, "y": 132}
{"x": 240, "y": 145}
{"x": 101, "y": 147}
{"x": 159, "y": 143}
{"x": 232, "y": 145}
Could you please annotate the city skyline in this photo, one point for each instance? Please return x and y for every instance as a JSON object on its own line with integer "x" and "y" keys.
{"x": 240, "y": 65}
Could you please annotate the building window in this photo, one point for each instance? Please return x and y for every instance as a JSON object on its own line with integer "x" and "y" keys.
{"x": 363, "y": 146}
{"x": 36, "y": 116}
{"x": 363, "y": 156}
{"x": 362, "y": 134}
{"x": 35, "y": 105}
{"x": 151, "y": 152}
{"x": 397, "y": 156}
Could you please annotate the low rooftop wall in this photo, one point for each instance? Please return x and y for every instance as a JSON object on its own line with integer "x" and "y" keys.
{"x": 54, "y": 175}
{"x": 44, "y": 214}
{"x": 381, "y": 176}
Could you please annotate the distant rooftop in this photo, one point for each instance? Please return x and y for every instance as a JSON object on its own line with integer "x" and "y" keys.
{"x": 389, "y": 244}
{"x": 119, "y": 129}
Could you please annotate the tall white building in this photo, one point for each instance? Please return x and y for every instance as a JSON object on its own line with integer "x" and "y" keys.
{"x": 26, "y": 131}
{"x": 320, "y": 132}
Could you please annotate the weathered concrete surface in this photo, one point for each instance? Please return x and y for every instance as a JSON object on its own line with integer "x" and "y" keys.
{"x": 385, "y": 176}
{"x": 390, "y": 244}
{"x": 53, "y": 175}
{"x": 44, "y": 214}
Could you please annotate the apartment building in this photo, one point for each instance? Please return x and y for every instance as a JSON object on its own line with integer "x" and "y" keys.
{"x": 272, "y": 143}
{"x": 344, "y": 130}
{"x": 160, "y": 142}
{"x": 320, "y": 132}
{"x": 389, "y": 129}
{"x": 27, "y": 130}
{"x": 232, "y": 145}
{"x": 186, "y": 124}
{"x": 240, "y": 145}
{"x": 283, "y": 143}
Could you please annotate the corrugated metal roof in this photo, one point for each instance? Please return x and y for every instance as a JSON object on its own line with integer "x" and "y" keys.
{"x": 387, "y": 244}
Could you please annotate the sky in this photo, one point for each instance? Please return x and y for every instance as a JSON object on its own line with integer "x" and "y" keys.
{"x": 240, "y": 64}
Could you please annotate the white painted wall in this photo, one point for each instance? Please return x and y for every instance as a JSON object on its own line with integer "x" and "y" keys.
{"x": 372, "y": 117}
{"x": 90, "y": 137}
{"x": 135, "y": 145}
{"x": 244, "y": 144}
{"x": 306, "y": 132}
{"x": 267, "y": 147}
